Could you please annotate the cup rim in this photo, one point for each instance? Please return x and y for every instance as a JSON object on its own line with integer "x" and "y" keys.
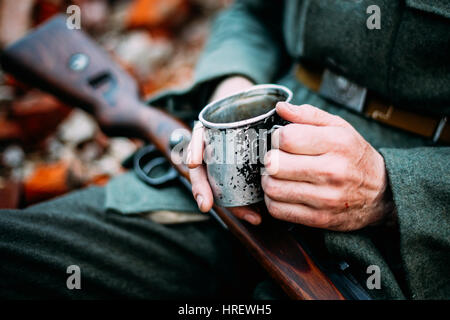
{"x": 246, "y": 122}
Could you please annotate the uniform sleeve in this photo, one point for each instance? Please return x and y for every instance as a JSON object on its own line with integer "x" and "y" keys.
{"x": 246, "y": 39}
{"x": 420, "y": 183}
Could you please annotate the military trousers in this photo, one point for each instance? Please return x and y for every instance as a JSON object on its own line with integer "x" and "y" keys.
{"x": 118, "y": 256}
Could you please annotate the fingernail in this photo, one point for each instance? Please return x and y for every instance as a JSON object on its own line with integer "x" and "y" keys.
{"x": 199, "y": 200}
{"x": 251, "y": 218}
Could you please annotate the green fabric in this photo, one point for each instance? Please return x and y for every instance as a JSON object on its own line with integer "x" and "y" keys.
{"x": 120, "y": 256}
{"x": 129, "y": 195}
{"x": 420, "y": 61}
{"x": 407, "y": 61}
{"x": 257, "y": 54}
{"x": 363, "y": 248}
{"x": 421, "y": 191}
{"x": 441, "y": 7}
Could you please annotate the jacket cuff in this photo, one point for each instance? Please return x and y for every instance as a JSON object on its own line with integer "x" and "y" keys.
{"x": 186, "y": 103}
{"x": 420, "y": 184}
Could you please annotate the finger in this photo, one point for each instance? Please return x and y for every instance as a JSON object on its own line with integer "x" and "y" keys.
{"x": 303, "y": 139}
{"x": 288, "y": 191}
{"x": 195, "y": 149}
{"x": 300, "y": 213}
{"x": 307, "y": 114}
{"x": 286, "y": 166}
{"x": 245, "y": 213}
{"x": 312, "y": 195}
{"x": 201, "y": 189}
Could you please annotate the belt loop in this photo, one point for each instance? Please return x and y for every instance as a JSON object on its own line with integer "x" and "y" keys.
{"x": 439, "y": 129}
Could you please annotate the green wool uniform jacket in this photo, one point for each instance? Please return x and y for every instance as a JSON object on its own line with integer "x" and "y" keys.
{"x": 407, "y": 61}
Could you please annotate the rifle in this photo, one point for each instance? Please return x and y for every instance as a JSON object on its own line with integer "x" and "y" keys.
{"x": 72, "y": 67}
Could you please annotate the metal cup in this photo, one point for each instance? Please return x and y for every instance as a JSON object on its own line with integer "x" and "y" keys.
{"x": 237, "y": 136}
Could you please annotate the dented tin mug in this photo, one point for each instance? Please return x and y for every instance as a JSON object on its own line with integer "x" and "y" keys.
{"x": 237, "y": 136}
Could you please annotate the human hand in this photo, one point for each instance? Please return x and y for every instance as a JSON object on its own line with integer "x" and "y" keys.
{"x": 322, "y": 173}
{"x": 200, "y": 185}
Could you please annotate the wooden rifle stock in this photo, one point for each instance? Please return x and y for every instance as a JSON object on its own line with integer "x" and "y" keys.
{"x": 71, "y": 66}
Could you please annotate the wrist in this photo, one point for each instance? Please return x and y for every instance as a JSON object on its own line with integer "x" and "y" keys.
{"x": 229, "y": 86}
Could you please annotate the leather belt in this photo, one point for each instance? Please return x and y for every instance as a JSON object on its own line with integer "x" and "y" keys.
{"x": 344, "y": 92}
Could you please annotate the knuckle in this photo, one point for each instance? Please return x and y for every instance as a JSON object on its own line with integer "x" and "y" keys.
{"x": 346, "y": 140}
{"x": 270, "y": 187}
{"x": 311, "y": 108}
{"x": 285, "y": 135}
{"x": 338, "y": 195}
{"x": 268, "y": 157}
{"x": 195, "y": 192}
{"x": 343, "y": 138}
{"x": 307, "y": 108}
{"x": 338, "y": 171}
{"x": 321, "y": 220}
{"x": 330, "y": 197}
{"x": 316, "y": 113}
{"x": 328, "y": 173}
{"x": 195, "y": 189}
{"x": 272, "y": 207}
{"x": 330, "y": 201}
{"x": 272, "y": 161}
{"x": 196, "y": 184}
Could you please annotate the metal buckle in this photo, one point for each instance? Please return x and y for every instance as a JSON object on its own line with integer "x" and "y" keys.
{"x": 343, "y": 91}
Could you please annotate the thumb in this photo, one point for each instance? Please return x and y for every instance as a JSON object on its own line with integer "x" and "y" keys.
{"x": 307, "y": 114}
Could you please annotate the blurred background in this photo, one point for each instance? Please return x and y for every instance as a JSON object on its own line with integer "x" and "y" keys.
{"x": 48, "y": 149}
